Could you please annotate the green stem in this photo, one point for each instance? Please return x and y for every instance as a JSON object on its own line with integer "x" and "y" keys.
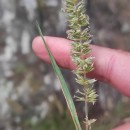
{"x": 86, "y": 114}
{"x": 86, "y": 106}
{"x": 89, "y": 127}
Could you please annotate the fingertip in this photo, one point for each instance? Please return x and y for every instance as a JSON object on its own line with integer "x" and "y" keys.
{"x": 37, "y": 45}
{"x": 125, "y": 126}
{"x": 59, "y": 47}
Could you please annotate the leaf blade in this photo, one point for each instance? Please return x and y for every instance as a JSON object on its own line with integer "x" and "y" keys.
{"x": 64, "y": 86}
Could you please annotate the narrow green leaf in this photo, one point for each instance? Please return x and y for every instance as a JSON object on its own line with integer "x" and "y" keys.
{"x": 64, "y": 86}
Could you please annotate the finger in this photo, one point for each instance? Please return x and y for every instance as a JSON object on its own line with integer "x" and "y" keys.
{"x": 123, "y": 127}
{"x": 110, "y": 65}
{"x": 59, "y": 47}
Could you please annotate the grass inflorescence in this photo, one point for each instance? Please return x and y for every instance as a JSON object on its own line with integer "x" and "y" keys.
{"x": 80, "y": 36}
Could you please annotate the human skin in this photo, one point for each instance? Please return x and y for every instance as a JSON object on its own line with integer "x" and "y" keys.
{"x": 111, "y": 66}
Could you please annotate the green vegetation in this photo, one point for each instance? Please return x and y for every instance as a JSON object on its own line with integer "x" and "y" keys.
{"x": 56, "y": 121}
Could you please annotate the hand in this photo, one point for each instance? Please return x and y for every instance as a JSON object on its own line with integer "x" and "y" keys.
{"x": 111, "y": 66}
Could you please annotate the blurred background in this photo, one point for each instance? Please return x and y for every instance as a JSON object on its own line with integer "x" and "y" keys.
{"x": 30, "y": 94}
